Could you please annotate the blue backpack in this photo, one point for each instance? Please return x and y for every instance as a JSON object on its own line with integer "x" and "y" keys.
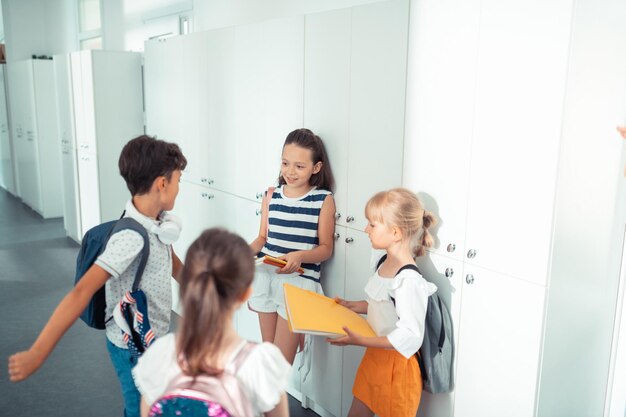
{"x": 93, "y": 244}
{"x": 436, "y": 354}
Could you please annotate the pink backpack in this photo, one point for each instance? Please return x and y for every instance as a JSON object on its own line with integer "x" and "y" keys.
{"x": 207, "y": 395}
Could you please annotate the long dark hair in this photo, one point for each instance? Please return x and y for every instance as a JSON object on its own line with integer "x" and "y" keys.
{"x": 218, "y": 270}
{"x": 304, "y": 138}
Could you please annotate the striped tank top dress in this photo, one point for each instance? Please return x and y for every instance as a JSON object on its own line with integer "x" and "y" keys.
{"x": 293, "y": 224}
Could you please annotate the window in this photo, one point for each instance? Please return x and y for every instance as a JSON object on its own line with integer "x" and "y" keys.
{"x": 91, "y": 43}
{"x": 89, "y": 24}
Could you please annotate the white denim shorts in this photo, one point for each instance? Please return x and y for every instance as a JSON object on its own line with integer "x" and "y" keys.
{"x": 267, "y": 291}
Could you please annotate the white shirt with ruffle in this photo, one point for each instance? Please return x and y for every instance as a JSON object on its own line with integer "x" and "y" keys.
{"x": 402, "y": 323}
{"x": 263, "y": 374}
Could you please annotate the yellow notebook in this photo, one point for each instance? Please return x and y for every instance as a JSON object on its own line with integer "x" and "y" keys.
{"x": 312, "y": 313}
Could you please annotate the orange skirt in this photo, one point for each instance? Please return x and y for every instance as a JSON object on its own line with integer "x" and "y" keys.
{"x": 388, "y": 383}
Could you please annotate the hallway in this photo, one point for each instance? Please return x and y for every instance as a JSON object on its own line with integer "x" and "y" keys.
{"x": 36, "y": 270}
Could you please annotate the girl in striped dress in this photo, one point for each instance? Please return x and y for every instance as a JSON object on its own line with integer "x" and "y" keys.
{"x": 297, "y": 225}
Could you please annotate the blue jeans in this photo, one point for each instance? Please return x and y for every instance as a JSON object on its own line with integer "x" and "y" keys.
{"x": 123, "y": 363}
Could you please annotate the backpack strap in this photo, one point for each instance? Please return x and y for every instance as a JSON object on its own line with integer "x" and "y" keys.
{"x": 266, "y": 205}
{"x": 380, "y": 261}
{"x": 412, "y": 267}
{"x": 234, "y": 365}
{"x": 407, "y": 266}
{"x": 128, "y": 223}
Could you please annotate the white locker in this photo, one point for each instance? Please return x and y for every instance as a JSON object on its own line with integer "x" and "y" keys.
{"x": 38, "y": 155}
{"x": 242, "y": 90}
{"x": 355, "y": 79}
{"x": 6, "y": 149}
{"x": 490, "y": 178}
{"x": 500, "y": 331}
{"x": 67, "y": 136}
{"x": 100, "y": 110}
{"x": 198, "y": 208}
{"x": 233, "y": 91}
{"x": 354, "y": 84}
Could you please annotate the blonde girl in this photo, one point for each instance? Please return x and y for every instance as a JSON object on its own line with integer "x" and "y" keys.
{"x": 297, "y": 225}
{"x": 215, "y": 281}
{"x": 388, "y": 381}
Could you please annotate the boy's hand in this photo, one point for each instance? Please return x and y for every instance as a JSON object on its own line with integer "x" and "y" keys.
{"x": 622, "y": 131}
{"x": 349, "y": 339}
{"x": 293, "y": 259}
{"x": 24, "y": 364}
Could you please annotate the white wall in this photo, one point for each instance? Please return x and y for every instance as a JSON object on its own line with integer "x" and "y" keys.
{"x": 127, "y": 24}
{"x": 50, "y": 26}
{"x": 40, "y": 27}
{"x": 220, "y": 13}
{"x": 590, "y": 216}
{"x": 1, "y": 24}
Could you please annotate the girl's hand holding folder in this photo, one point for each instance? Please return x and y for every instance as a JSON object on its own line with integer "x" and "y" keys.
{"x": 349, "y": 339}
{"x": 356, "y": 306}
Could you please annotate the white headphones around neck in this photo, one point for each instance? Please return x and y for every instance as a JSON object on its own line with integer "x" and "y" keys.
{"x": 168, "y": 230}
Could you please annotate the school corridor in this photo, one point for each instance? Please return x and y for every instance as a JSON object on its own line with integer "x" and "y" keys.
{"x": 36, "y": 271}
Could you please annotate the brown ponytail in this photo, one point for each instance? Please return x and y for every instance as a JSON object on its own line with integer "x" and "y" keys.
{"x": 218, "y": 270}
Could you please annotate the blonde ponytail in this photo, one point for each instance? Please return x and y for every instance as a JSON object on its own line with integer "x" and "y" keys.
{"x": 426, "y": 241}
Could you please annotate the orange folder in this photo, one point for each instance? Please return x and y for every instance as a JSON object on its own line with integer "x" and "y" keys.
{"x": 312, "y": 313}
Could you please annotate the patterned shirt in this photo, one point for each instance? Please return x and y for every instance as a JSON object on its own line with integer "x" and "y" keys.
{"x": 121, "y": 259}
{"x": 293, "y": 224}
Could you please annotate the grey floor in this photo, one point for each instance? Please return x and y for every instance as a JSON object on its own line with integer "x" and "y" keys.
{"x": 36, "y": 271}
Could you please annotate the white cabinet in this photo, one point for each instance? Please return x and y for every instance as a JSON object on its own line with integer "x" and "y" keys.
{"x": 100, "y": 110}
{"x": 242, "y": 90}
{"x": 355, "y": 79}
{"x": 237, "y": 92}
{"x": 164, "y": 93}
{"x": 67, "y": 137}
{"x": 447, "y": 274}
{"x": 269, "y": 72}
{"x": 497, "y": 320}
{"x": 495, "y": 154}
{"x": 198, "y": 208}
{"x": 532, "y": 70}
{"x": 489, "y": 173}
{"x": 359, "y": 266}
{"x": 502, "y": 322}
{"x": 38, "y": 156}
{"x": 6, "y": 158}
{"x": 439, "y": 115}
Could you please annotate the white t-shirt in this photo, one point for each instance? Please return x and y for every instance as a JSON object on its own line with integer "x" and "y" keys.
{"x": 121, "y": 259}
{"x": 402, "y": 323}
{"x": 263, "y": 374}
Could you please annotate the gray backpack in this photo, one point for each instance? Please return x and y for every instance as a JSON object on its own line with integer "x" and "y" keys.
{"x": 437, "y": 351}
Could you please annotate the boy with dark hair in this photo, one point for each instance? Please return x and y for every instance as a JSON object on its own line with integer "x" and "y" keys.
{"x": 151, "y": 169}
